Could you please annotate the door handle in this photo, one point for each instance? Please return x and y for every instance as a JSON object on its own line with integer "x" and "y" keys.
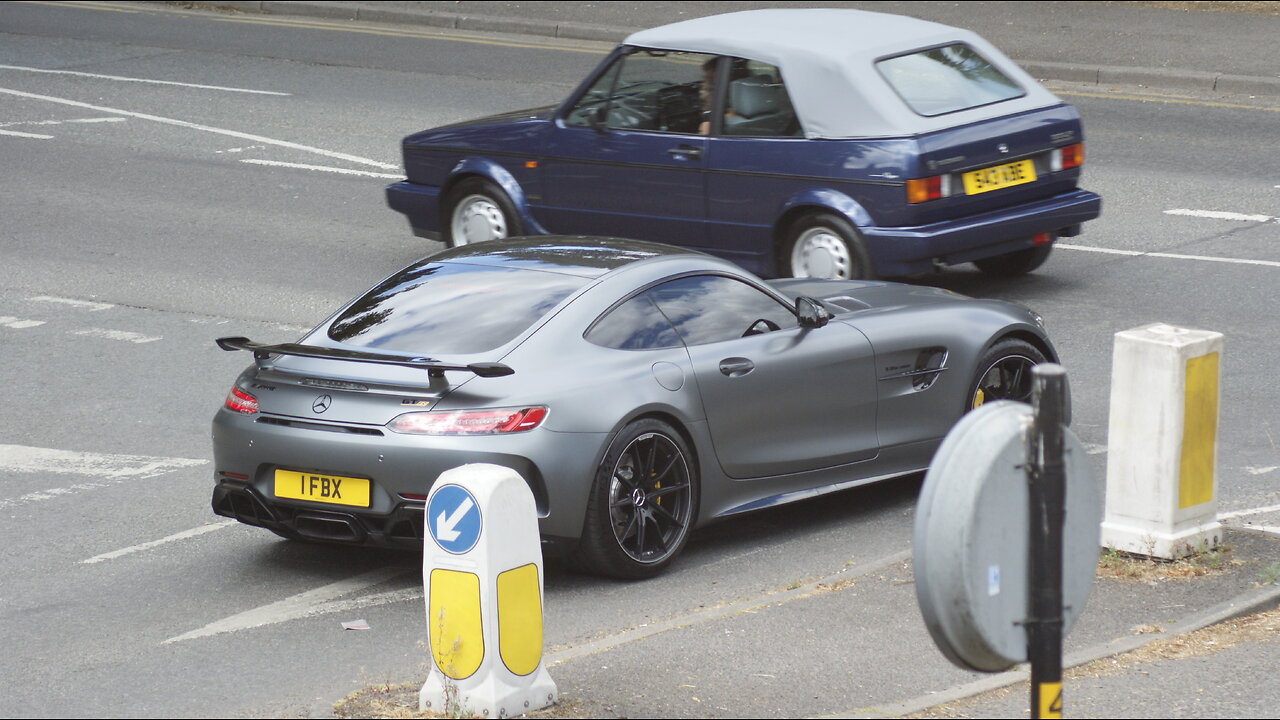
{"x": 688, "y": 151}
{"x": 736, "y": 366}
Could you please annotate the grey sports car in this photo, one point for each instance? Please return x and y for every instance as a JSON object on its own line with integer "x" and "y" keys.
{"x": 642, "y": 390}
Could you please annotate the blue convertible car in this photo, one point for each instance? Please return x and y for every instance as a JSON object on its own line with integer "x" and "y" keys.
{"x": 807, "y": 143}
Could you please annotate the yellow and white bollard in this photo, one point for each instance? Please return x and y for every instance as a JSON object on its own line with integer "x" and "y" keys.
{"x": 1162, "y": 446}
{"x": 482, "y": 575}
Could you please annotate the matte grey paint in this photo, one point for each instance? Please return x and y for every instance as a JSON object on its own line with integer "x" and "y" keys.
{"x": 878, "y": 428}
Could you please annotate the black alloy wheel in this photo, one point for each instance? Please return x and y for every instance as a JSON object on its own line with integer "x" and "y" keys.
{"x": 642, "y": 504}
{"x": 1004, "y": 373}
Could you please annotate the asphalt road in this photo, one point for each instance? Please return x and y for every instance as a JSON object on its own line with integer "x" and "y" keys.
{"x": 161, "y": 189}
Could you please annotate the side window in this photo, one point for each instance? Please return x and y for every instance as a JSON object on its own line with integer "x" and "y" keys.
{"x": 758, "y": 104}
{"x": 712, "y": 308}
{"x": 648, "y": 90}
{"x": 634, "y": 325}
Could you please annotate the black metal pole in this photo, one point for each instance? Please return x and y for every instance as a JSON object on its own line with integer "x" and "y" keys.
{"x": 1047, "y": 480}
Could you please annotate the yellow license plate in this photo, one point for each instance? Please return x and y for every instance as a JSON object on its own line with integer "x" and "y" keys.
{"x": 331, "y": 489}
{"x": 1000, "y": 176}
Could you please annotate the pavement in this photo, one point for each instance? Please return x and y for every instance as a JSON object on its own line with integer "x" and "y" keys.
{"x": 1154, "y": 641}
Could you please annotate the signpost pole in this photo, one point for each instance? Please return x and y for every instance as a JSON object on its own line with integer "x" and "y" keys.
{"x": 1047, "y": 494}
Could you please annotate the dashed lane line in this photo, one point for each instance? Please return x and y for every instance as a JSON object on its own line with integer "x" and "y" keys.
{"x": 33, "y": 136}
{"x": 121, "y": 335}
{"x": 120, "y": 78}
{"x": 204, "y": 128}
{"x": 18, "y": 323}
{"x": 81, "y": 304}
{"x": 321, "y": 168}
{"x": 105, "y": 469}
{"x": 1251, "y": 511}
{"x": 193, "y": 532}
{"x": 1169, "y": 256}
{"x": 306, "y": 604}
{"x": 1222, "y": 215}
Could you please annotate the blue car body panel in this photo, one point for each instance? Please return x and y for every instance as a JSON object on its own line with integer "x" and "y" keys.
{"x": 735, "y": 197}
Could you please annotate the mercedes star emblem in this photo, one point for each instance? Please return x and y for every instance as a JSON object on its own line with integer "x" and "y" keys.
{"x": 321, "y": 404}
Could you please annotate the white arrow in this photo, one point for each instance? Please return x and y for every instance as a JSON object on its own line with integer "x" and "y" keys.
{"x": 445, "y": 525}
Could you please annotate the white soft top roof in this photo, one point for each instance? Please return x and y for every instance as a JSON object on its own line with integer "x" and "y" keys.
{"x": 827, "y": 59}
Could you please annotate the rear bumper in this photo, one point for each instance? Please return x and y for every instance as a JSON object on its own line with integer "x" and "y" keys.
{"x": 910, "y": 250}
{"x": 559, "y": 468}
{"x": 420, "y": 205}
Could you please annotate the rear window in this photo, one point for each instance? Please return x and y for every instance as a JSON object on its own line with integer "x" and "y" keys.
{"x": 451, "y": 308}
{"x": 947, "y": 79}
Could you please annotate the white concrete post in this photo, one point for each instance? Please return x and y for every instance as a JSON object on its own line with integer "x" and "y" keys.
{"x": 482, "y": 576}
{"x": 1162, "y": 448}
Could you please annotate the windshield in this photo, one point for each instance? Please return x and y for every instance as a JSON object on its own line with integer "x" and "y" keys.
{"x": 451, "y": 308}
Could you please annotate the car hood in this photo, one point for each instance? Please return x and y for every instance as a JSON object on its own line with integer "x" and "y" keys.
{"x": 542, "y": 113}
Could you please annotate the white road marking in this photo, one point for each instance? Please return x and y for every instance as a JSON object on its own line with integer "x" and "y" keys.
{"x": 1219, "y": 215}
{"x": 121, "y": 335}
{"x": 193, "y": 532}
{"x": 33, "y": 136}
{"x": 1094, "y": 449}
{"x": 82, "y": 304}
{"x": 241, "y": 149}
{"x": 322, "y": 168}
{"x": 1246, "y": 513}
{"x": 1262, "y": 470}
{"x": 63, "y": 122}
{"x": 1171, "y": 256}
{"x": 107, "y": 470}
{"x": 205, "y": 128}
{"x": 18, "y": 323}
{"x": 307, "y": 604}
{"x": 141, "y": 80}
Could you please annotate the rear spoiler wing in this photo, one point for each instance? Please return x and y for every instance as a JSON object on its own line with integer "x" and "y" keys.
{"x": 434, "y": 368}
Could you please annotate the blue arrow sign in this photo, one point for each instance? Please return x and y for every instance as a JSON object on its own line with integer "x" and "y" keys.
{"x": 453, "y": 519}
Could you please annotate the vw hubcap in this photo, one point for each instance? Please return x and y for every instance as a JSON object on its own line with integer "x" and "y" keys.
{"x": 478, "y": 219}
{"x": 820, "y": 253}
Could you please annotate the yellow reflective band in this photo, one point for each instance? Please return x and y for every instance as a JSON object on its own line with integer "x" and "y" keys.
{"x": 453, "y": 623}
{"x": 1050, "y": 700}
{"x": 1199, "y": 431}
{"x": 520, "y": 619}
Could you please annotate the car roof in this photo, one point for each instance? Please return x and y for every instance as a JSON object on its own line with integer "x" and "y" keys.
{"x": 826, "y": 57}
{"x": 588, "y": 257}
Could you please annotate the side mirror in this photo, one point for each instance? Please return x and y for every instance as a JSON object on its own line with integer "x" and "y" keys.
{"x": 811, "y": 313}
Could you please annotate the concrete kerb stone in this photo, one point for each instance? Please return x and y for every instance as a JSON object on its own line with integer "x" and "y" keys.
{"x": 1247, "y": 603}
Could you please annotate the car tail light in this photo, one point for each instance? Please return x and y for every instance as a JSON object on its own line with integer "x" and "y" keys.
{"x": 930, "y": 188}
{"x": 241, "y": 401}
{"x": 1065, "y": 158}
{"x": 495, "y": 421}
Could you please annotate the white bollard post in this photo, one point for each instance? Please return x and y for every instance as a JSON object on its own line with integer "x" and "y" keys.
{"x": 482, "y": 577}
{"x": 1162, "y": 446}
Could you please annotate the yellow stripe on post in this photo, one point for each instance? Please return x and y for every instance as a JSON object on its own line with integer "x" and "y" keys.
{"x": 1050, "y": 700}
{"x": 520, "y": 619}
{"x": 1199, "y": 431}
{"x": 457, "y": 637}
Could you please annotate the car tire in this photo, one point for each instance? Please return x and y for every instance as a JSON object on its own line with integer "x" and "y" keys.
{"x": 643, "y": 503}
{"x": 1004, "y": 373}
{"x": 477, "y": 211}
{"x": 823, "y": 245}
{"x": 1018, "y": 262}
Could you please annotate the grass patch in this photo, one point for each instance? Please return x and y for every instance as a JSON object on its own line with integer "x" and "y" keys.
{"x": 1121, "y": 565}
